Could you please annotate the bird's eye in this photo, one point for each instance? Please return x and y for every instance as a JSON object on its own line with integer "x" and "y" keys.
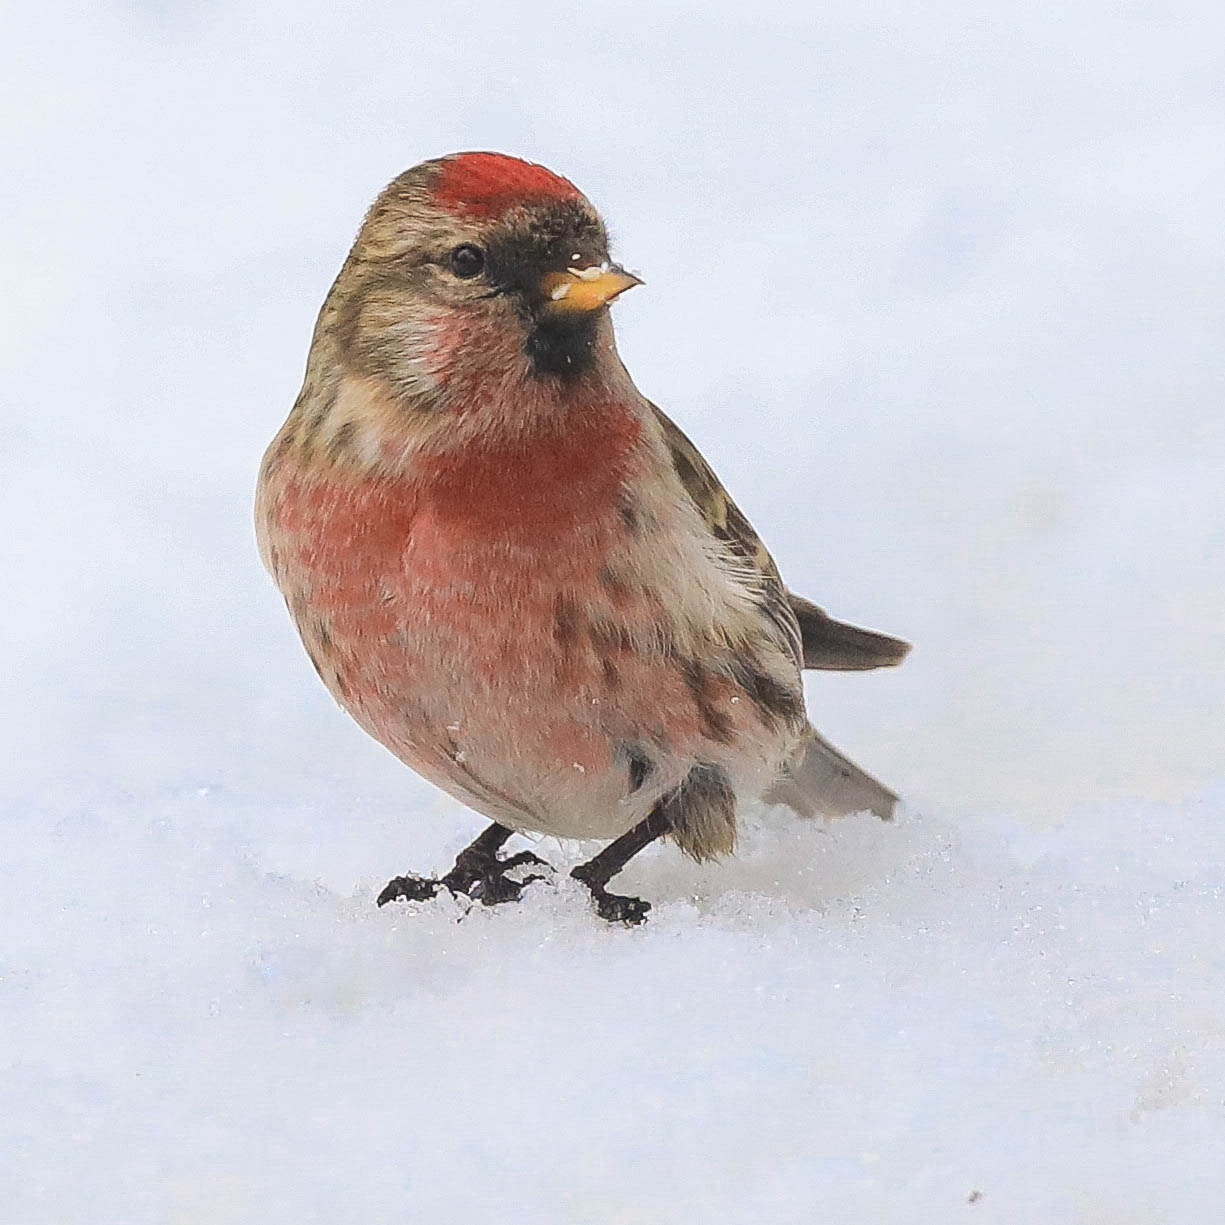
{"x": 467, "y": 260}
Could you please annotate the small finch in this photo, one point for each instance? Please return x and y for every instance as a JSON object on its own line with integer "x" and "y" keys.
{"x": 513, "y": 570}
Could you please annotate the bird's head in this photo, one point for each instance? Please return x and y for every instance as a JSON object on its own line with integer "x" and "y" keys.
{"x": 476, "y": 267}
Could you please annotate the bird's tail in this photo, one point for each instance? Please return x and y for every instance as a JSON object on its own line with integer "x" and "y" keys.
{"x": 820, "y": 780}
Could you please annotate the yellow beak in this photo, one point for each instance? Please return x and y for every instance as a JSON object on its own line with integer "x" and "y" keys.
{"x": 578, "y": 290}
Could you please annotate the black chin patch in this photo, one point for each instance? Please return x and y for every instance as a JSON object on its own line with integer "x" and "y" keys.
{"x": 563, "y": 348}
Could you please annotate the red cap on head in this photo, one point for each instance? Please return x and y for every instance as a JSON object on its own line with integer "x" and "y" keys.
{"x": 483, "y": 184}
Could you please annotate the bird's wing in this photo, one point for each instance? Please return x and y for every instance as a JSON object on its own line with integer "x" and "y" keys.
{"x": 822, "y": 781}
{"x": 837, "y": 647}
{"x": 726, "y": 522}
{"x": 814, "y": 638}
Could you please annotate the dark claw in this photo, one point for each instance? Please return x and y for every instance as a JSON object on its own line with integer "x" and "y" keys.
{"x": 408, "y": 888}
{"x": 480, "y": 877}
{"x": 490, "y": 890}
{"x": 517, "y": 861}
{"x": 612, "y": 906}
{"x": 617, "y": 909}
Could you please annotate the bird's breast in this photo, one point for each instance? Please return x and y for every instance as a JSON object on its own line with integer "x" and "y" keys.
{"x": 531, "y": 488}
{"x": 536, "y": 630}
{"x": 456, "y": 567}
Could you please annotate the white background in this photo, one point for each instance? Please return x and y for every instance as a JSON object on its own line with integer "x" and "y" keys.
{"x": 938, "y": 291}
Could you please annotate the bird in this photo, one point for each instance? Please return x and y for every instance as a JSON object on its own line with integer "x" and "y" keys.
{"x": 516, "y": 572}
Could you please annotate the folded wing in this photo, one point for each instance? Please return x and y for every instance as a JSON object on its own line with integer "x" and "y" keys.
{"x": 812, "y": 635}
{"x": 835, "y": 646}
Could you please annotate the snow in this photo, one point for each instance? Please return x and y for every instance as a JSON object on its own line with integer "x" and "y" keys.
{"x": 938, "y": 291}
{"x": 857, "y": 1023}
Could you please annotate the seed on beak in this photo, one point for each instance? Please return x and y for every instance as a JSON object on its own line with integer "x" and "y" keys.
{"x": 578, "y": 290}
{"x": 590, "y": 274}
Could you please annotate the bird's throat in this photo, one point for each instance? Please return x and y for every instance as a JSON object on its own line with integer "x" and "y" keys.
{"x": 563, "y": 348}
{"x": 545, "y": 482}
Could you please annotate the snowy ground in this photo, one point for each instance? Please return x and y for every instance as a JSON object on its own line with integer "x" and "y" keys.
{"x": 911, "y": 1024}
{"x": 939, "y": 291}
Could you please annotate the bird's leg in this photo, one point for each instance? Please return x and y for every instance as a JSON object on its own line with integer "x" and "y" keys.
{"x": 597, "y": 872}
{"x": 478, "y": 873}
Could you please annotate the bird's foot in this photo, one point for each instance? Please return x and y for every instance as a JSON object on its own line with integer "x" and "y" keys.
{"x": 612, "y": 906}
{"x": 408, "y": 889}
{"x": 476, "y": 874}
{"x": 484, "y": 877}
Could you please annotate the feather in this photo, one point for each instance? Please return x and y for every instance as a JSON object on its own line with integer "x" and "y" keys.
{"x": 835, "y": 646}
{"x": 821, "y": 780}
{"x": 726, "y": 523}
